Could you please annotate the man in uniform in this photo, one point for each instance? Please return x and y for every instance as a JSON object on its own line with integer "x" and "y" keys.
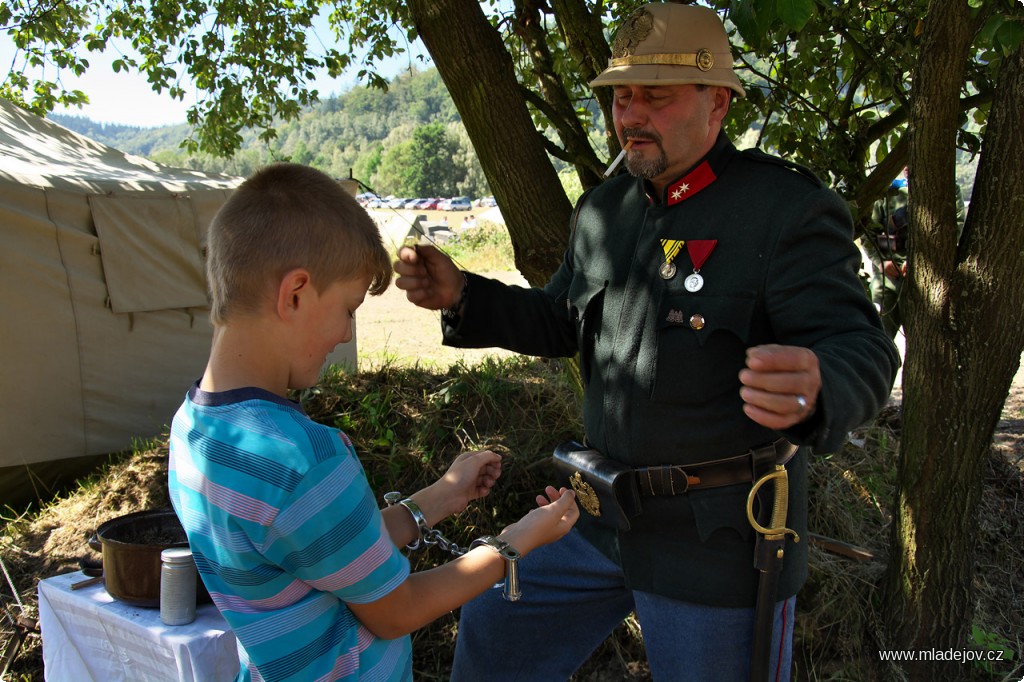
{"x": 712, "y": 296}
{"x": 887, "y": 248}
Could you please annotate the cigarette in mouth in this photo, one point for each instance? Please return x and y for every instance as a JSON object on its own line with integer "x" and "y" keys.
{"x": 619, "y": 158}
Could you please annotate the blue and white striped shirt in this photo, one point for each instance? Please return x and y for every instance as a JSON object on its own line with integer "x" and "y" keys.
{"x": 285, "y": 530}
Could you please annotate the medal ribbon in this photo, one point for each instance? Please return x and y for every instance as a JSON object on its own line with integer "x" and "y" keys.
{"x": 671, "y": 247}
{"x": 699, "y": 250}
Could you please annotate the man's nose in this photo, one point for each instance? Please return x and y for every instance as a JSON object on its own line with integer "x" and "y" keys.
{"x": 634, "y": 115}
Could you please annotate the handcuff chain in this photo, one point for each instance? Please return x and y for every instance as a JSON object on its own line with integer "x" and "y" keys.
{"x": 430, "y": 536}
{"x": 434, "y": 537}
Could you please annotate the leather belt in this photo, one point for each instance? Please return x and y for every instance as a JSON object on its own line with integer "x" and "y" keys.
{"x": 678, "y": 478}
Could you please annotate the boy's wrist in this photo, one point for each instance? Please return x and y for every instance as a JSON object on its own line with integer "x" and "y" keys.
{"x": 434, "y": 502}
{"x": 423, "y": 527}
{"x": 511, "y": 590}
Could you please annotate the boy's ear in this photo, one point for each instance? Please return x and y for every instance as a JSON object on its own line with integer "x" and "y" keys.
{"x": 293, "y": 288}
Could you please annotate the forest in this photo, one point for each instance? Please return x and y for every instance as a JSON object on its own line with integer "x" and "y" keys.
{"x": 406, "y": 140}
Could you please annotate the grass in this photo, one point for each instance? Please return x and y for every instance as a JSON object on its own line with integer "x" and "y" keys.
{"x": 408, "y": 422}
{"x": 485, "y": 248}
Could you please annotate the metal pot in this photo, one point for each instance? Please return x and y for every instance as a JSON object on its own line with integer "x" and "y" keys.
{"x": 131, "y": 547}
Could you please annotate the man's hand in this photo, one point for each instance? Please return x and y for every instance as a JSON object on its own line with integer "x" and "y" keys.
{"x": 780, "y": 385}
{"x": 429, "y": 278}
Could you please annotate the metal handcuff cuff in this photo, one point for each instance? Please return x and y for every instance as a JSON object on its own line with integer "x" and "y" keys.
{"x": 511, "y": 590}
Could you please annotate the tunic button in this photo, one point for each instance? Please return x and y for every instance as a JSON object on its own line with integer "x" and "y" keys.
{"x": 697, "y": 321}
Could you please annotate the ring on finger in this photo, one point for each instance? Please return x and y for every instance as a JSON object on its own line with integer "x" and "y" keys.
{"x": 802, "y": 402}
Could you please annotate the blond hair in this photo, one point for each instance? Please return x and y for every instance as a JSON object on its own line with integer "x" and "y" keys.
{"x": 288, "y": 216}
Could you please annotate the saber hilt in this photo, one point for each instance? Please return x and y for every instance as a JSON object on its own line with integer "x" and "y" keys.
{"x": 780, "y": 505}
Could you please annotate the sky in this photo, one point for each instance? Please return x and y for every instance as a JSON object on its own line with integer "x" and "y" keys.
{"x": 128, "y": 99}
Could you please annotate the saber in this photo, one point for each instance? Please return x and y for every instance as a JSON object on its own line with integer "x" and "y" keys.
{"x": 768, "y": 554}
{"x": 619, "y": 158}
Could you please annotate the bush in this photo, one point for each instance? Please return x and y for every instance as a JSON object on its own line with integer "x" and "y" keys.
{"x": 485, "y": 248}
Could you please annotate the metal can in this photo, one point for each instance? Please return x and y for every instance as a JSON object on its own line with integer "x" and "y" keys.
{"x": 177, "y": 586}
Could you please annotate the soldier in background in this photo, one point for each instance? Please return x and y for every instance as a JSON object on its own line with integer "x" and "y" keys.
{"x": 887, "y": 249}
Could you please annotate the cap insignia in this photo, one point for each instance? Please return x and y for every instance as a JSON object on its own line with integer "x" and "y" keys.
{"x": 632, "y": 32}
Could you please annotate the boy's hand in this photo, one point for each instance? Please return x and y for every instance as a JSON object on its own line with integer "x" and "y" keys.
{"x": 555, "y": 515}
{"x": 428, "y": 277}
{"x": 470, "y": 477}
{"x": 472, "y": 474}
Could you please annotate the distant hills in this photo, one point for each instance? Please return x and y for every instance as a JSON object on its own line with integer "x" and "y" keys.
{"x": 352, "y": 133}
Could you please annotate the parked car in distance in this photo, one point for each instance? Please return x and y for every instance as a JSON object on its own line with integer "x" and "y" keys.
{"x": 444, "y": 205}
{"x": 461, "y": 204}
{"x": 488, "y": 201}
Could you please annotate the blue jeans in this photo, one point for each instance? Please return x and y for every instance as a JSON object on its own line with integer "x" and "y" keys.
{"x": 574, "y": 596}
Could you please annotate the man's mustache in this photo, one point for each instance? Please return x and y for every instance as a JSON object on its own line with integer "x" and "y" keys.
{"x": 640, "y": 134}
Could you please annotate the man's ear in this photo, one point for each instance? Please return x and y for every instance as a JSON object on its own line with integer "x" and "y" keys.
{"x": 721, "y": 98}
{"x": 294, "y": 287}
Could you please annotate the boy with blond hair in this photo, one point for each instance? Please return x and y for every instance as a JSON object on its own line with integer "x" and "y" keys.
{"x": 284, "y": 528}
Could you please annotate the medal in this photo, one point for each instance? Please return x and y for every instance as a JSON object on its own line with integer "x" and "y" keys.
{"x": 671, "y": 247}
{"x": 699, "y": 250}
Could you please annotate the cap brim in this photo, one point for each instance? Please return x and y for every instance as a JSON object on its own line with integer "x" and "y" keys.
{"x": 661, "y": 74}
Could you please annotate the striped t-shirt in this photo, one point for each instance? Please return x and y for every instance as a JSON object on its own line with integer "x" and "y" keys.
{"x": 285, "y": 530}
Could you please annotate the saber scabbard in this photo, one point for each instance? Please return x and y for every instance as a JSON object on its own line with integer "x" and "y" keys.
{"x": 769, "y": 551}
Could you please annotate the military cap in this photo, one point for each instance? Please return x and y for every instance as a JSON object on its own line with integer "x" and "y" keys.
{"x": 671, "y": 44}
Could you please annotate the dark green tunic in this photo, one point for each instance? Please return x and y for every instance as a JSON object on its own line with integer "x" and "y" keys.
{"x": 658, "y": 390}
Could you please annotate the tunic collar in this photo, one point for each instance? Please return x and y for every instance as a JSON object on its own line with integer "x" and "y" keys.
{"x": 705, "y": 172}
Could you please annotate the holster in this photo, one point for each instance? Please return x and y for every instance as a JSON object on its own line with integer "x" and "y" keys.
{"x": 605, "y": 488}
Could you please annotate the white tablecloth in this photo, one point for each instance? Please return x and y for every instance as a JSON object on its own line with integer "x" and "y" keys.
{"x": 89, "y": 635}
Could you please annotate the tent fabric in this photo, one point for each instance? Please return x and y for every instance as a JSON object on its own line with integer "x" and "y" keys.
{"x": 102, "y": 292}
{"x": 149, "y": 270}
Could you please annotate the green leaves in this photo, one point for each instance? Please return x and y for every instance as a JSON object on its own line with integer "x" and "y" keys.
{"x": 762, "y": 21}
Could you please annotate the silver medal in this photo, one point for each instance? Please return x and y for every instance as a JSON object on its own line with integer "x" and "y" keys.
{"x": 667, "y": 270}
{"x": 694, "y": 282}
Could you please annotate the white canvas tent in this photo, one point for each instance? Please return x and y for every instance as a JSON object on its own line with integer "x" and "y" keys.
{"x": 102, "y": 295}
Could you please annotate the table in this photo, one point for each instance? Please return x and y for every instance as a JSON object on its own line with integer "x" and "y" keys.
{"x": 88, "y": 635}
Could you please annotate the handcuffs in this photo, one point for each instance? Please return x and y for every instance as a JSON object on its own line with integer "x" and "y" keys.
{"x": 511, "y": 589}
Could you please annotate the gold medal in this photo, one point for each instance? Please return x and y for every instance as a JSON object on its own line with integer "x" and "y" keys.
{"x": 671, "y": 247}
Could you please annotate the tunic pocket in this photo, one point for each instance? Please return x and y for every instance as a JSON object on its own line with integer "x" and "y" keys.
{"x": 702, "y": 344}
{"x": 720, "y": 509}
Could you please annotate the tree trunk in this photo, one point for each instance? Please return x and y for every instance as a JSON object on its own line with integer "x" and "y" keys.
{"x": 479, "y": 75}
{"x": 965, "y": 335}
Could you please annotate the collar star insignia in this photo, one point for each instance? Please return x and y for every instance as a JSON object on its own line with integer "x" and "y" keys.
{"x": 693, "y": 182}
{"x": 680, "y": 191}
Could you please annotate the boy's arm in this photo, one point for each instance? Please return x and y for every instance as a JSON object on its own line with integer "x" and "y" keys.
{"x": 427, "y": 595}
